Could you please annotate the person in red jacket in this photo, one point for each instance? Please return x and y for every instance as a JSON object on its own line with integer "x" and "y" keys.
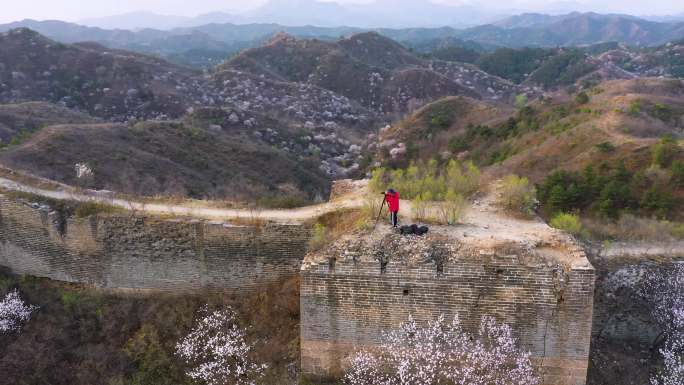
{"x": 392, "y": 198}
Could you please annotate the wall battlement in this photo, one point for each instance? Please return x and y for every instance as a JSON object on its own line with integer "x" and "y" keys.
{"x": 126, "y": 252}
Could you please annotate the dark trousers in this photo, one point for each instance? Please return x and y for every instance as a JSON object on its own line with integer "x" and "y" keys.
{"x": 394, "y": 218}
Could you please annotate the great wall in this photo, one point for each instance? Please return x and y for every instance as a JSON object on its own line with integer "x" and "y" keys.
{"x": 537, "y": 279}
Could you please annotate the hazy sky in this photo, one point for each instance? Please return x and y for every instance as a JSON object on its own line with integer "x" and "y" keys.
{"x": 72, "y": 10}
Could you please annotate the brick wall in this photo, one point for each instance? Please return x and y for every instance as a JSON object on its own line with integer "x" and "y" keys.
{"x": 347, "y": 306}
{"x": 146, "y": 253}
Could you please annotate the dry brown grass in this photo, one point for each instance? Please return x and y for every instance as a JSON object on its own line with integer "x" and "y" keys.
{"x": 254, "y": 219}
{"x": 540, "y": 152}
{"x": 342, "y": 222}
{"x": 632, "y": 228}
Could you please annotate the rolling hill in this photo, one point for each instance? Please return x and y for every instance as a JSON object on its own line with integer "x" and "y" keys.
{"x": 621, "y": 121}
{"x": 370, "y": 69}
{"x": 149, "y": 127}
{"x": 112, "y": 84}
{"x": 166, "y": 158}
{"x": 534, "y": 30}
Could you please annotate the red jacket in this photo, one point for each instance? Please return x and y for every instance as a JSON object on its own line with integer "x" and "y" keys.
{"x": 392, "y": 201}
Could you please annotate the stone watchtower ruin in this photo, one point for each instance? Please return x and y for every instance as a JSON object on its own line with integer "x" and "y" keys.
{"x": 534, "y": 278}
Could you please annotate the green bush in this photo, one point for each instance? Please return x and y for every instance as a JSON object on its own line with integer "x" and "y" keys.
{"x": 428, "y": 178}
{"x": 319, "y": 237}
{"x": 658, "y": 201}
{"x": 635, "y": 108}
{"x": 677, "y": 169}
{"x": 662, "y": 112}
{"x": 451, "y": 210}
{"x": 677, "y": 231}
{"x": 567, "y": 222}
{"x": 69, "y": 299}
{"x": 609, "y": 193}
{"x": 521, "y": 101}
{"x": 605, "y": 147}
{"x": 582, "y": 98}
{"x": 441, "y": 115}
{"x": 517, "y": 195}
{"x": 87, "y": 209}
{"x": 420, "y": 207}
{"x": 665, "y": 151}
{"x": 154, "y": 364}
{"x": 288, "y": 201}
{"x": 440, "y": 121}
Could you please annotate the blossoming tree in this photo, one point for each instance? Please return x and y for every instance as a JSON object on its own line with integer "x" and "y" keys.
{"x": 217, "y": 352}
{"x": 665, "y": 289}
{"x": 442, "y": 353}
{"x": 673, "y": 365}
{"x": 14, "y": 312}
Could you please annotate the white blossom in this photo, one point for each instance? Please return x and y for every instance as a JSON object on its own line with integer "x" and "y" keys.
{"x": 443, "y": 353}
{"x": 673, "y": 368}
{"x": 14, "y": 312}
{"x": 665, "y": 289}
{"x": 217, "y": 352}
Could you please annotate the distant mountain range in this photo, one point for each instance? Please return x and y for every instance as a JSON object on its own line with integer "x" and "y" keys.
{"x": 207, "y": 45}
{"x": 539, "y": 30}
{"x": 150, "y": 20}
{"x": 380, "y": 13}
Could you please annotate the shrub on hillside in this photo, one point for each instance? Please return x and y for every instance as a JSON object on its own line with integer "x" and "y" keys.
{"x": 484, "y": 139}
{"x": 428, "y": 178}
{"x": 286, "y": 201}
{"x": 659, "y": 201}
{"x": 662, "y": 112}
{"x": 451, "y": 210}
{"x": 421, "y": 206}
{"x": 517, "y": 195}
{"x": 371, "y": 205}
{"x": 582, "y": 98}
{"x": 319, "y": 237}
{"x": 441, "y": 115}
{"x": 665, "y": 151}
{"x": 90, "y": 208}
{"x": 444, "y": 353}
{"x": 567, "y": 222}
{"x": 632, "y": 228}
{"x": 635, "y": 108}
{"x": 447, "y": 211}
{"x": 609, "y": 193}
{"x": 521, "y": 101}
{"x": 605, "y": 147}
{"x": 677, "y": 170}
